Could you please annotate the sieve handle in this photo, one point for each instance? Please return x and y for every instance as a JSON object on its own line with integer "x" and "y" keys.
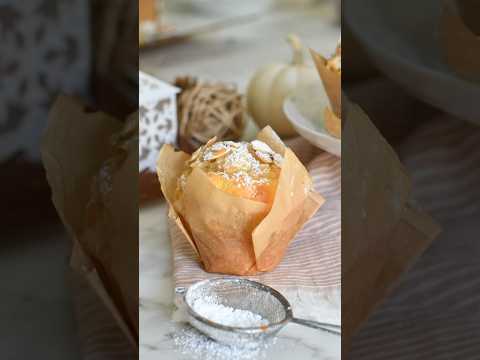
{"x": 182, "y": 291}
{"x": 331, "y": 328}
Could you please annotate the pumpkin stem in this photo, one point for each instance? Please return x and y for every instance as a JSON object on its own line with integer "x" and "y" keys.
{"x": 294, "y": 41}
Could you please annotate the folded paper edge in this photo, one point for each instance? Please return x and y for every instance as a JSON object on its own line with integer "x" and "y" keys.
{"x": 331, "y": 82}
{"x": 318, "y": 199}
{"x": 172, "y": 213}
{"x": 333, "y": 124}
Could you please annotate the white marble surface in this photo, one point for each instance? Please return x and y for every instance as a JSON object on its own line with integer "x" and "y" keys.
{"x": 157, "y": 328}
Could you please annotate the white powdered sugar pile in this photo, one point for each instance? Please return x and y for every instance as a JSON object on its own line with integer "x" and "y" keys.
{"x": 189, "y": 341}
{"x": 226, "y": 315}
{"x": 198, "y": 346}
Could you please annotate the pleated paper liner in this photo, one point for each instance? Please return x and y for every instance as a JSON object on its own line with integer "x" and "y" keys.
{"x": 460, "y": 37}
{"x": 332, "y": 123}
{"x": 233, "y": 235}
{"x": 332, "y": 82}
{"x": 91, "y": 160}
{"x": 382, "y": 232}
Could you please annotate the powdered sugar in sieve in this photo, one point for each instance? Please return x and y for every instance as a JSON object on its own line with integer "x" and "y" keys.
{"x": 239, "y": 311}
{"x": 209, "y": 308}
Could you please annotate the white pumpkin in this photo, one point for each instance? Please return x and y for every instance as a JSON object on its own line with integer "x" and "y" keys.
{"x": 272, "y": 83}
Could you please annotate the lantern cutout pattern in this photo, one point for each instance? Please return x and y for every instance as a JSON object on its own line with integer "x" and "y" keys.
{"x": 157, "y": 119}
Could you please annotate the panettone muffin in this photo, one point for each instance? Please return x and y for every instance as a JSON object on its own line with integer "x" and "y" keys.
{"x": 238, "y": 204}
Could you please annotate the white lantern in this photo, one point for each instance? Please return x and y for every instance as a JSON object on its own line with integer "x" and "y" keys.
{"x": 157, "y": 117}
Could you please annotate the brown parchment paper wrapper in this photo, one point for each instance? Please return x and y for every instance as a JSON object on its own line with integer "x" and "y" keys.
{"x": 332, "y": 123}
{"x": 233, "y": 235}
{"x": 382, "y": 233}
{"x": 91, "y": 160}
{"x": 332, "y": 82}
{"x": 460, "y": 36}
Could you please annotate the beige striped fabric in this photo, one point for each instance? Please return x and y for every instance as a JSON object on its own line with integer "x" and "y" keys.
{"x": 312, "y": 264}
{"x": 99, "y": 333}
{"x": 444, "y": 158}
{"x": 434, "y": 313}
{"x": 100, "y": 337}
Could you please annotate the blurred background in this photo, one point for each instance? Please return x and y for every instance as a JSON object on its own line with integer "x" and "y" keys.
{"x": 408, "y": 65}
{"x": 93, "y": 49}
{"x": 232, "y": 65}
{"x": 90, "y": 49}
{"x": 228, "y": 41}
{"x": 84, "y": 48}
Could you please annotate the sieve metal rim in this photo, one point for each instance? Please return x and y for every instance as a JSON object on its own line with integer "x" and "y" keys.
{"x": 246, "y": 330}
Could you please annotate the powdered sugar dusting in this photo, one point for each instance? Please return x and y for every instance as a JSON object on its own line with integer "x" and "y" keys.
{"x": 241, "y": 158}
{"x": 198, "y": 346}
{"x": 239, "y": 163}
{"x": 244, "y": 165}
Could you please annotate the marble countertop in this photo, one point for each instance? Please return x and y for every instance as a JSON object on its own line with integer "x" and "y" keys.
{"x": 157, "y": 329}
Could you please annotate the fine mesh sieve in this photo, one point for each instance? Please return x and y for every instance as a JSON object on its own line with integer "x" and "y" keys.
{"x": 244, "y": 295}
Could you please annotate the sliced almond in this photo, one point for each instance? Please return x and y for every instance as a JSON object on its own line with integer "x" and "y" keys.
{"x": 219, "y": 145}
{"x": 215, "y": 154}
{"x": 210, "y": 142}
{"x": 278, "y": 160}
{"x": 261, "y": 146}
{"x": 231, "y": 143}
{"x": 196, "y": 154}
{"x": 264, "y": 157}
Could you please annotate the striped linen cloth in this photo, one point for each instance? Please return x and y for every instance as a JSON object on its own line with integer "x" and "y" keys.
{"x": 100, "y": 337}
{"x": 310, "y": 273}
{"x": 443, "y": 157}
{"x": 434, "y": 312}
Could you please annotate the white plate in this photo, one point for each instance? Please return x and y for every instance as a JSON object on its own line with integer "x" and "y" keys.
{"x": 304, "y": 108}
{"x": 402, "y": 38}
{"x": 224, "y": 7}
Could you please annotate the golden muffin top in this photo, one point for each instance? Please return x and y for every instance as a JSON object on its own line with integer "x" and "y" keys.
{"x": 246, "y": 169}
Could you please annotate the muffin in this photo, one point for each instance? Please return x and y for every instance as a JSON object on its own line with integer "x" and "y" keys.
{"x": 239, "y": 204}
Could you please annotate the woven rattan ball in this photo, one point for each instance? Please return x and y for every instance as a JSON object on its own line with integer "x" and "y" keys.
{"x": 206, "y": 110}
